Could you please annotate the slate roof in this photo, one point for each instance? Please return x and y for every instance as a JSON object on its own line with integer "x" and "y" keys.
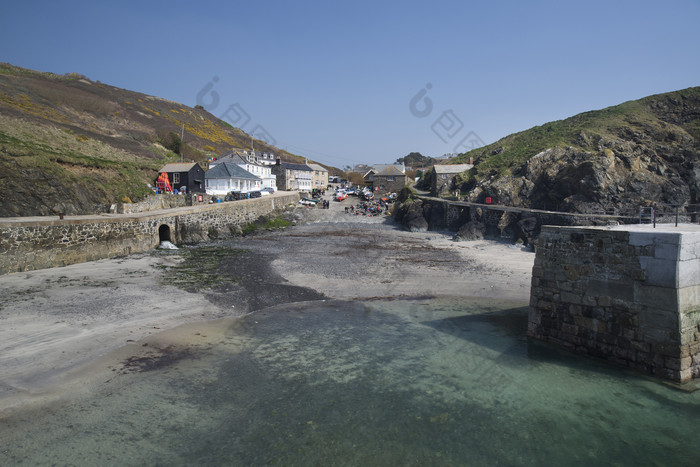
{"x": 451, "y": 169}
{"x": 177, "y": 167}
{"x": 232, "y": 158}
{"x": 228, "y": 170}
{"x": 390, "y": 171}
{"x": 320, "y": 168}
{"x": 380, "y": 167}
{"x": 292, "y": 166}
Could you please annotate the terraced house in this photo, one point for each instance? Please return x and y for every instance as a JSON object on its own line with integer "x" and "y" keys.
{"x": 293, "y": 177}
{"x": 319, "y": 178}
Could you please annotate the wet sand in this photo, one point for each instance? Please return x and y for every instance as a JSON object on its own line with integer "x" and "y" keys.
{"x": 71, "y": 329}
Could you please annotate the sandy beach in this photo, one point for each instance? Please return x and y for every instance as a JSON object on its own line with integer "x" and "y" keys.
{"x": 64, "y": 330}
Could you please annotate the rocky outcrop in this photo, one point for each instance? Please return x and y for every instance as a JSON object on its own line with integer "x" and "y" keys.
{"x": 410, "y": 215}
{"x": 472, "y": 230}
{"x": 571, "y": 180}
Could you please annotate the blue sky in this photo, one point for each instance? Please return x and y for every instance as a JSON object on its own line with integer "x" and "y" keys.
{"x": 368, "y": 82}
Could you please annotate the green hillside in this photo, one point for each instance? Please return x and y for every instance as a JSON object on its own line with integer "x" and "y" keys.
{"x": 653, "y": 140}
{"x": 70, "y": 144}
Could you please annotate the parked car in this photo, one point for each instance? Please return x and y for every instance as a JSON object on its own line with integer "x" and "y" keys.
{"x": 267, "y": 190}
{"x": 255, "y": 194}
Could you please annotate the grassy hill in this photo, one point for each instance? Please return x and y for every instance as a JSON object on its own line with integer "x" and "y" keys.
{"x": 597, "y": 159}
{"x": 70, "y": 144}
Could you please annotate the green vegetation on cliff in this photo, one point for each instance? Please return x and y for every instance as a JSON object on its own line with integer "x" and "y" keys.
{"x": 586, "y": 130}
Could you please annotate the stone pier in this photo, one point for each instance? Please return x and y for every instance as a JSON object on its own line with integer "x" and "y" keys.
{"x": 28, "y": 243}
{"x": 627, "y": 294}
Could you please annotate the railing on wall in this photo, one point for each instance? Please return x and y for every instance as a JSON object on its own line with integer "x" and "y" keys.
{"x": 658, "y": 213}
{"x": 670, "y": 213}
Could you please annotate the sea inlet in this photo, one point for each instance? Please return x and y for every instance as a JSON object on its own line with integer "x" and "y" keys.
{"x": 397, "y": 382}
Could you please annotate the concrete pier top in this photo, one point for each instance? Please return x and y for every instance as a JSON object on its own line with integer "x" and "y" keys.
{"x": 660, "y": 228}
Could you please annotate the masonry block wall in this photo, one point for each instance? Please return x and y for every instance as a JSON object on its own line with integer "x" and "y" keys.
{"x": 47, "y": 243}
{"x": 628, "y": 296}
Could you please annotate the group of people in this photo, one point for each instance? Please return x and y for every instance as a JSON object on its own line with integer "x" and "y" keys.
{"x": 373, "y": 208}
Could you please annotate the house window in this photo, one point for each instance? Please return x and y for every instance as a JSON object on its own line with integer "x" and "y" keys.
{"x": 390, "y": 179}
{"x": 444, "y": 176}
{"x": 176, "y": 178}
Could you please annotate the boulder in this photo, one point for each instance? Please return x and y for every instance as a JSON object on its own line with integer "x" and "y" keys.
{"x": 526, "y": 230}
{"x": 414, "y": 219}
{"x": 473, "y": 230}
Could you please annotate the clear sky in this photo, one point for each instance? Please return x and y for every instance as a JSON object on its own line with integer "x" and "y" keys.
{"x": 368, "y": 81}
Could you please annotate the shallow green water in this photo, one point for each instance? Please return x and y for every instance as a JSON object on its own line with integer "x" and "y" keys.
{"x": 433, "y": 382}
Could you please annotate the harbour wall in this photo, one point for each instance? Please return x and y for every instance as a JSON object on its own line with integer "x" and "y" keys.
{"x": 503, "y": 221}
{"x": 628, "y": 294}
{"x": 38, "y": 243}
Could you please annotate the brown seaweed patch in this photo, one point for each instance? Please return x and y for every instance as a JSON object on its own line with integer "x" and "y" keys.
{"x": 156, "y": 359}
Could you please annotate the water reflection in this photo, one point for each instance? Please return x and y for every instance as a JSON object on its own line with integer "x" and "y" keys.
{"x": 438, "y": 382}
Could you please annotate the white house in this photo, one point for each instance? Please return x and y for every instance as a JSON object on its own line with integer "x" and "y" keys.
{"x": 247, "y": 162}
{"x": 226, "y": 177}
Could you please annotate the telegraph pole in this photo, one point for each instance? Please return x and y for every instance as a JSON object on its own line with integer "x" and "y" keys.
{"x": 182, "y": 141}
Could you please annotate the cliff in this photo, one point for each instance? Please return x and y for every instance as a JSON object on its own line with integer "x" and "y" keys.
{"x": 639, "y": 153}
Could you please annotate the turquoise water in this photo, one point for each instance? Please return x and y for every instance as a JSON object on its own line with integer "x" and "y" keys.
{"x": 422, "y": 382}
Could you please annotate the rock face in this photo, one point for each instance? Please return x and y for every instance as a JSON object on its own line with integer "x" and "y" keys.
{"x": 640, "y": 153}
{"x": 411, "y": 215}
{"x": 526, "y": 230}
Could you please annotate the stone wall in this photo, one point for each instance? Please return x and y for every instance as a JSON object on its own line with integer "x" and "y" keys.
{"x": 49, "y": 242}
{"x": 629, "y": 294}
{"x": 157, "y": 202}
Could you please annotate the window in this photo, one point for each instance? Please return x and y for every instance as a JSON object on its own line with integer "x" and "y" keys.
{"x": 444, "y": 176}
{"x": 176, "y": 178}
{"x": 390, "y": 179}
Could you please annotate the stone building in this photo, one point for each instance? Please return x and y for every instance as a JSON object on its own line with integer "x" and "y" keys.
{"x": 293, "y": 177}
{"x": 440, "y": 178}
{"x": 389, "y": 179}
